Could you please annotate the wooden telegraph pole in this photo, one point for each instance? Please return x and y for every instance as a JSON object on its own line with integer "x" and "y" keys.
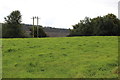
{"x": 37, "y": 26}
{"x": 33, "y": 26}
{"x": 119, "y": 10}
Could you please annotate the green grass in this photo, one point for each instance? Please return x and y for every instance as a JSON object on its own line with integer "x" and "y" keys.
{"x": 68, "y": 57}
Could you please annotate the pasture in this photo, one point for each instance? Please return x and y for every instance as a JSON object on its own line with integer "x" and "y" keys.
{"x": 67, "y": 57}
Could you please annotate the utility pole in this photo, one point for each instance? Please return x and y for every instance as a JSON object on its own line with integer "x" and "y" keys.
{"x": 33, "y": 26}
{"x": 119, "y": 10}
{"x": 37, "y": 26}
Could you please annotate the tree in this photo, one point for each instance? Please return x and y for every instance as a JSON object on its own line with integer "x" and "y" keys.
{"x": 41, "y": 33}
{"x": 12, "y": 27}
{"x": 108, "y": 25}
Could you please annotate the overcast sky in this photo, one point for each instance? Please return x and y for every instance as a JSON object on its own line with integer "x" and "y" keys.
{"x": 58, "y": 13}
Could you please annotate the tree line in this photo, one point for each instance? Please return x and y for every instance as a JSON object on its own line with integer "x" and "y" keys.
{"x": 108, "y": 25}
{"x": 13, "y": 28}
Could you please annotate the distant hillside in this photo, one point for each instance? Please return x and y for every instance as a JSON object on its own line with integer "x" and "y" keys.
{"x": 51, "y": 32}
{"x": 56, "y": 32}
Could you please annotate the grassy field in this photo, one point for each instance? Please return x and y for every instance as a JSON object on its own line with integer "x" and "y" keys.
{"x": 68, "y": 57}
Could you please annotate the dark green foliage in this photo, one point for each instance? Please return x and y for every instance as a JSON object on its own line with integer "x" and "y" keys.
{"x": 108, "y": 25}
{"x": 41, "y": 33}
{"x": 12, "y": 27}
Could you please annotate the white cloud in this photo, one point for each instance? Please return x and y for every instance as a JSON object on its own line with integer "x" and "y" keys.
{"x": 58, "y": 13}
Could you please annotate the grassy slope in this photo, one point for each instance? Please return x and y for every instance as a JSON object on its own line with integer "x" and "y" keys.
{"x": 76, "y": 57}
